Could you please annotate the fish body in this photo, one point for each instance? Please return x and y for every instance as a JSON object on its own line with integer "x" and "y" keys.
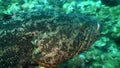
{"x": 46, "y": 38}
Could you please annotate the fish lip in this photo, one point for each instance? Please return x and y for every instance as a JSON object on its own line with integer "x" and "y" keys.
{"x": 98, "y": 27}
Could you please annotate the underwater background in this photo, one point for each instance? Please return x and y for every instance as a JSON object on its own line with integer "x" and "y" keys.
{"x": 16, "y": 31}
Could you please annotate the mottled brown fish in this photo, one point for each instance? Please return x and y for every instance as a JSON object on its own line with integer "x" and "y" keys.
{"x": 67, "y": 36}
{"x": 44, "y": 38}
